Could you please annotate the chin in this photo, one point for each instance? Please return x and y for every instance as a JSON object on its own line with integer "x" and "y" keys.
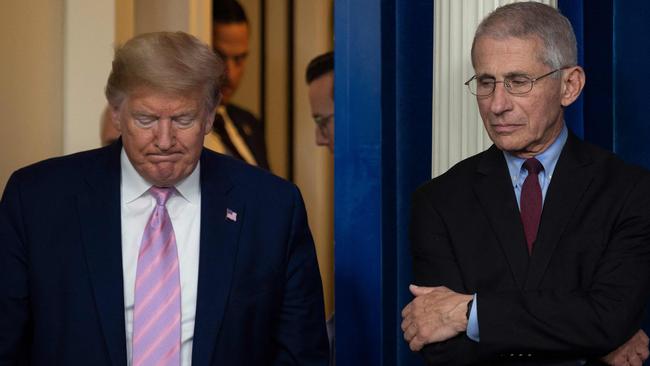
{"x": 509, "y": 142}
{"x": 166, "y": 182}
{"x": 163, "y": 178}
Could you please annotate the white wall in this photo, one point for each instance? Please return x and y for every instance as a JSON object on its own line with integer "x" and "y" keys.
{"x": 31, "y": 40}
{"x": 88, "y": 52}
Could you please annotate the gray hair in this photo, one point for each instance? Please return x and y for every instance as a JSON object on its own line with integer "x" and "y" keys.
{"x": 532, "y": 19}
{"x": 169, "y": 62}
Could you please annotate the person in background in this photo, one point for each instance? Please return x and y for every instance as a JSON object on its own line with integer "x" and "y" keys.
{"x": 236, "y": 131}
{"x": 154, "y": 250}
{"x": 108, "y": 134}
{"x": 537, "y": 250}
{"x": 320, "y": 81}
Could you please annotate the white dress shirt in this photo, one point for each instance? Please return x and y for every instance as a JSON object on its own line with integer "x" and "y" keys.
{"x": 184, "y": 209}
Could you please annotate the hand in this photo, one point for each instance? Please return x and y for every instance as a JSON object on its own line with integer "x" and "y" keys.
{"x": 633, "y": 352}
{"x": 436, "y": 314}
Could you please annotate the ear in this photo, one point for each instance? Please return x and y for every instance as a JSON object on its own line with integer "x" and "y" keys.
{"x": 209, "y": 120}
{"x": 573, "y": 80}
{"x": 115, "y": 117}
{"x": 210, "y": 117}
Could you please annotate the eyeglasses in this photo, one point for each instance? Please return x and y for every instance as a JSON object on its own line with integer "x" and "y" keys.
{"x": 515, "y": 85}
{"x": 322, "y": 121}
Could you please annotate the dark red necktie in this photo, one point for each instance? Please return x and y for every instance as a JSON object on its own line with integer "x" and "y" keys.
{"x": 531, "y": 201}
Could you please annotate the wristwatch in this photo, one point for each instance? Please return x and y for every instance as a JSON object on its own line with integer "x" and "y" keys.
{"x": 469, "y": 307}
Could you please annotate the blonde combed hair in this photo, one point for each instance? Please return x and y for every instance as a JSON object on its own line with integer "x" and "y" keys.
{"x": 169, "y": 62}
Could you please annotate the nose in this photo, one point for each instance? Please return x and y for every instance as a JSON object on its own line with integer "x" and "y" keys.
{"x": 165, "y": 134}
{"x": 230, "y": 68}
{"x": 321, "y": 139}
{"x": 500, "y": 102}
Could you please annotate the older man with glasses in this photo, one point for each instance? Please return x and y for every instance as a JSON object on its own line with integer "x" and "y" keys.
{"x": 537, "y": 250}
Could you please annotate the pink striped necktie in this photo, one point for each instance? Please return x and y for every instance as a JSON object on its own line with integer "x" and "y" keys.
{"x": 157, "y": 307}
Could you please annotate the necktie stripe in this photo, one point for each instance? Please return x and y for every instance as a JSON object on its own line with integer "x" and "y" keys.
{"x": 171, "y": 352}
{"x": 159, "y": 312}
{"x": 158, "y": 340}
{"x": 156, "y": 261}
{"x": 153, "y": 334}
{"x": 154, "y": 291}
{"x": 157, "y": 306}
{"x": 150, "y": 239}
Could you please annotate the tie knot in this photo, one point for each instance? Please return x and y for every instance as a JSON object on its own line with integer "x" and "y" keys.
{"x": 161, "y": 194}
{"x": 533, "y": 166}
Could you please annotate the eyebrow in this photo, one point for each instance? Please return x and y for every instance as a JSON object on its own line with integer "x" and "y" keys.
{"x": 224, "y": 55}
{"x": 516, "y": 73}
{"x": 510, "y": 74}
{"x": 143, "y": 114}
{"x": 187, "y": 113}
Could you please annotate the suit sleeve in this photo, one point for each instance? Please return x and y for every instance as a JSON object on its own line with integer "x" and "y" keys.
{"x": 544, "y": 322}
{"x": 14, "y": 284}
{"x": 301, "y": 333}
{"x": 434, "y": 264}
{"x": 589, "y": 321}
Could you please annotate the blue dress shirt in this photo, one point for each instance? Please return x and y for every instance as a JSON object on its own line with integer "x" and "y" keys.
{"x": 518, "y": 174}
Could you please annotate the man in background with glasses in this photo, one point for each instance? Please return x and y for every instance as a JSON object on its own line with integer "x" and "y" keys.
{"x": 536, "y": 251}
{"x": 320, "y": 81}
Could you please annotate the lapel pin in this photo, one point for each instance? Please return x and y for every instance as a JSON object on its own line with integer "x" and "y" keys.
{"x": 231, "y": 215}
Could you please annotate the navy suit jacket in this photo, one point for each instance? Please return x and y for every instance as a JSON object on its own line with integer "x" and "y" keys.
{"x": 579, "y": 295}
{"x": 259, "y": 298}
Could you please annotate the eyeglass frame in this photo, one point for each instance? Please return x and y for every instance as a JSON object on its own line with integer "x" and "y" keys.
{"x": 322, "y": 121}
{"x": 494, "y": 85}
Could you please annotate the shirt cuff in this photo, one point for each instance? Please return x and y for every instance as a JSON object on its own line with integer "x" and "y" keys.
{"x": 472, "y": 322}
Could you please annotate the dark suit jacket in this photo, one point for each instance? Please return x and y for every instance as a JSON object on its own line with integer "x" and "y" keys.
{"x": 582, "y": 291}
{"x": 259, "y": 298}
{"x": 250, "y": 128}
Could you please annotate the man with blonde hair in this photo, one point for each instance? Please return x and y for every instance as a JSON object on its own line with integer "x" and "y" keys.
{"x": 153, "y": 250}
{"x": 537, "y": 250}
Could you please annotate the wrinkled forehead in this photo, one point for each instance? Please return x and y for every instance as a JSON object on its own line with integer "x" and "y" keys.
{"x": 150, "y": 99}
{"x": 489, "y": 52}
{"x": 141, "y": 93}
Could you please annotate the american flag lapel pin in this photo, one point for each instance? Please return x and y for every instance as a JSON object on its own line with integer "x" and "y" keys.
{"x": 231, "y": 215}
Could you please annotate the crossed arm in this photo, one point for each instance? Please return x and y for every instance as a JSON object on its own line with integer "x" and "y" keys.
{"x": 576, "y": 324}
{"x": 437, "y": 314}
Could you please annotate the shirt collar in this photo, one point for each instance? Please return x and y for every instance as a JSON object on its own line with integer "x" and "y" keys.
{"x": 548, "y": 157}
{"x": 134, "y": 185}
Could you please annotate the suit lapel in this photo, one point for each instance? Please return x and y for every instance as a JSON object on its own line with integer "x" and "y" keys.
{"x": 99, "y": 215}
{"x": 218, "y": 250}
{"x": 494, "y": 190}
{"x": 571, "y": 179}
